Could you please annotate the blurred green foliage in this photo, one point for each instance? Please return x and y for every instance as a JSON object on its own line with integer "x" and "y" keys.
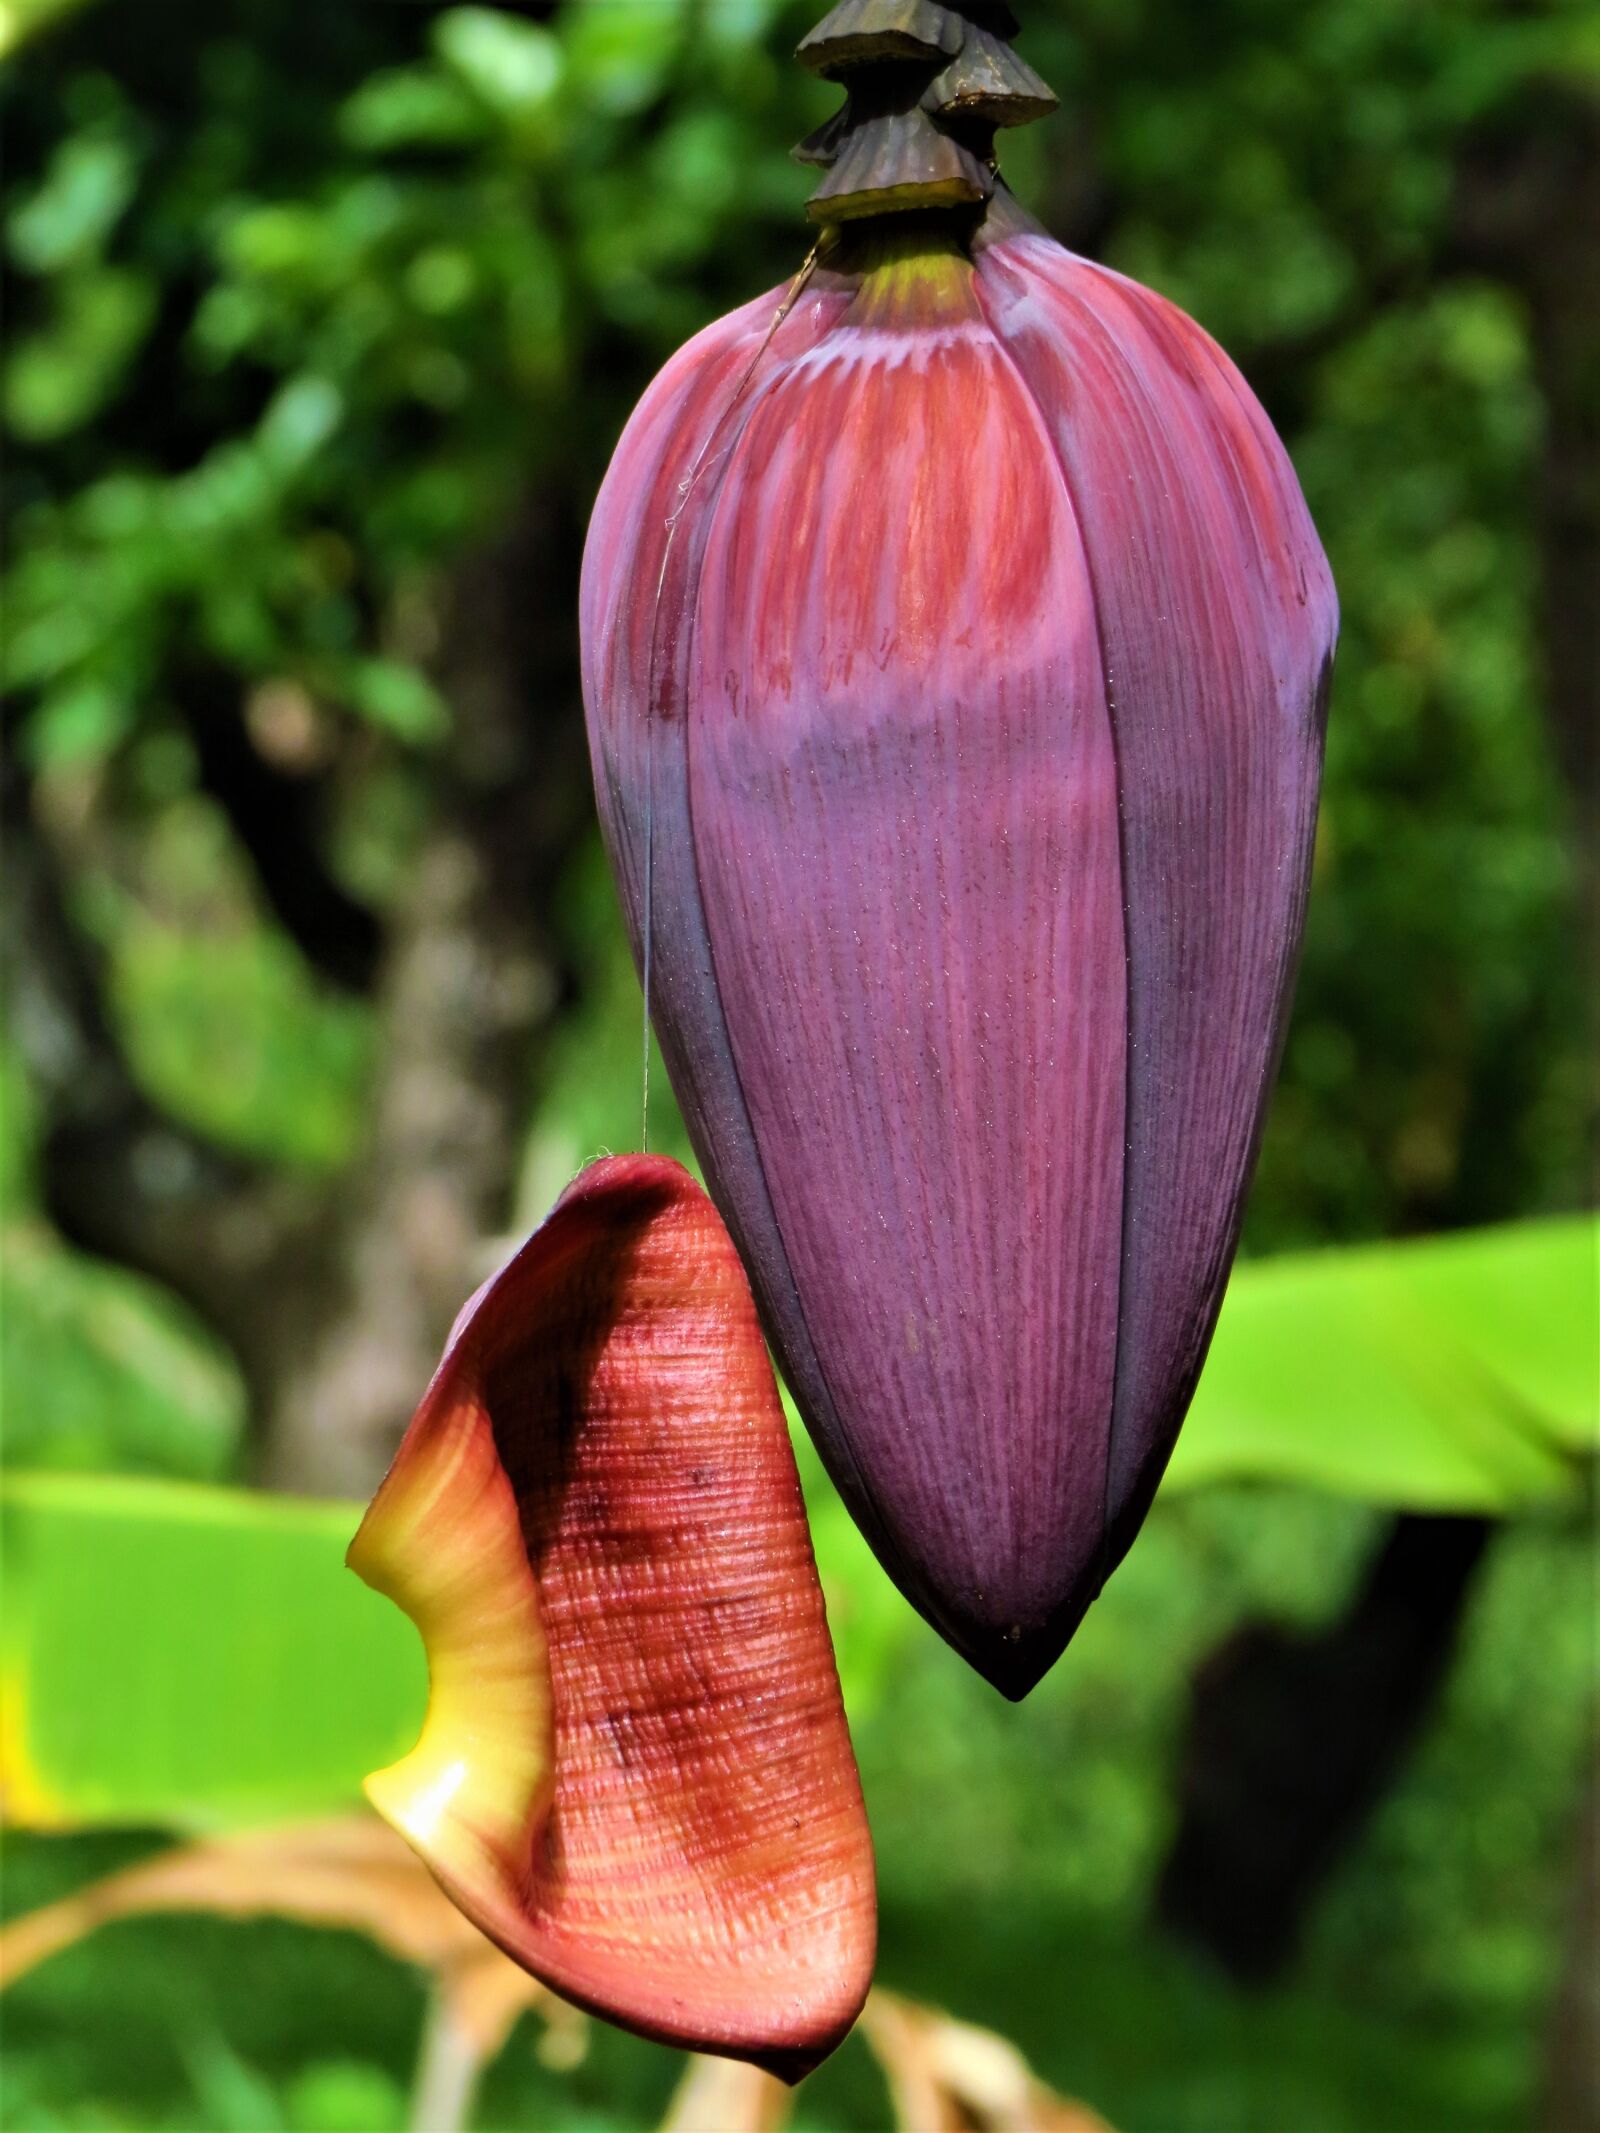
{"x": 1016, "y": 1849}
{"x": 299, "y": 298}
{"x": 197, "y": 1658}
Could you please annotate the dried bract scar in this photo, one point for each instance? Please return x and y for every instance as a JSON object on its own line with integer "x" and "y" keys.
{"x": 635, "y": 1773}
{"x": 955, "y": 655}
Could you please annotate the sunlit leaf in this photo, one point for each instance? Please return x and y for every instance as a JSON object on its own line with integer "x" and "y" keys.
{"x": 619, "y": 50}
{"x": 514, "y": 66}
{"x": 304, "y": 414}
{"x": 20, "y": 19}
{"x": 242, "y": 1042}
{"x": 408, "y": 107}
{"x": 88, "y": 184}
{"x": 1449, "y": 1374}
{"x": 189, "y": 1656}
{"x": 57, "y": 380}
{"x": 78, "y": 724}
{"x": 104, "y": 1369}
{"x": 398, "y": 697}
{"x": 200, "y": 1657}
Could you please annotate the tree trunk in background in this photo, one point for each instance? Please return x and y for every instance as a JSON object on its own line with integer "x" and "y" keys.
{"x": 471, "y": 980}
{"x": 1293, "y": 1740}
{"x": 459, "y": 1003}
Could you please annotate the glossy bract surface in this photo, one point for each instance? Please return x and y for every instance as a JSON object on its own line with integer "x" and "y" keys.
{"x": 635, "y": 1773}
{"x": 955, "y": 658}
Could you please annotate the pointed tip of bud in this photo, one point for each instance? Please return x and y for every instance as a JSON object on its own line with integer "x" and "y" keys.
{"x": 1014, "y": 1657}
{"x": 1016, "y": 1670}
{"x": 1016, "y": 1661}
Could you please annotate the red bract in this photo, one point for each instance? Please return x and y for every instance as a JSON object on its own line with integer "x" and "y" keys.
{"x": 955, "y": 657}
{"x": 635, "y": 1774}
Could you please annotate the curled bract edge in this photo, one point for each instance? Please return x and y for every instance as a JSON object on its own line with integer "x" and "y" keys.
{"x": 635, "y": 1773}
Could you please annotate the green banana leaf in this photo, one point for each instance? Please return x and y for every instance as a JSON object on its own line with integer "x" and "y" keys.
{"x": 181, "y": 1655}
{"x": 1457, "y": 1373}
{"x": 196, "y": 1657}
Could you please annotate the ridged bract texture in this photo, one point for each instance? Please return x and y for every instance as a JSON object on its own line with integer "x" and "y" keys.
{"x": 955, "y": 661}
{"x": 635, "y": 1773}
